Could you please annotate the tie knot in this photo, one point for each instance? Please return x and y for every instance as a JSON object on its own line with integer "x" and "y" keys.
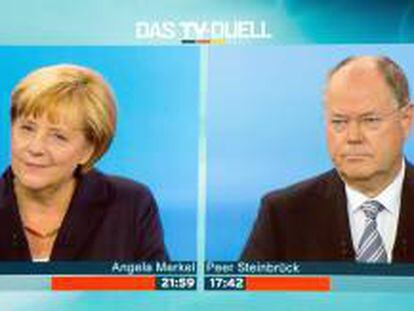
{"x": 372, "y": 208}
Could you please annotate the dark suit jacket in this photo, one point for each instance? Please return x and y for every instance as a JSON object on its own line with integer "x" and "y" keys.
{"x": 309, "y": 222}
{"x": 109, "y": 218}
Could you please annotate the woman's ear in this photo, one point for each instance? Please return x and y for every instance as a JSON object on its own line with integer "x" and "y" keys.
{"x": 87, "y": 153}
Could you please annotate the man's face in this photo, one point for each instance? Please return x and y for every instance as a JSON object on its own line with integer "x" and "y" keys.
{"x": 365, "y": 128}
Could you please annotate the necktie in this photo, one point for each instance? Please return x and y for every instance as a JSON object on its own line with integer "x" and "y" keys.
{"x": 371, "y": 246}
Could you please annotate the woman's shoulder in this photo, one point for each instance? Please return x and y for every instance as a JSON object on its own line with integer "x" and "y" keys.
{"x": 5, "y": 181}
{"x": 2, "y": 183}
{"x": 117, "y": 187}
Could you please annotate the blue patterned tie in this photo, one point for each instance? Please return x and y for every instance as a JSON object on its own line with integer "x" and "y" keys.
{"x": 371, "y": 246}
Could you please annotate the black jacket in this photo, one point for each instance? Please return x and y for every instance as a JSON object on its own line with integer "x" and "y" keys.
{"x": 309, "y": 222}
{"x": 109, "y": 218}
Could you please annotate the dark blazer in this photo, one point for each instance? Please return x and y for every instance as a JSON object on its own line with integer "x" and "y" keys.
{"x": 109, "y": 218}
{"x": 309, "y": 222}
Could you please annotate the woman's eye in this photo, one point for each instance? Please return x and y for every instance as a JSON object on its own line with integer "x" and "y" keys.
{"x": 60, "y": 137}
{"x": 27, "y": 128}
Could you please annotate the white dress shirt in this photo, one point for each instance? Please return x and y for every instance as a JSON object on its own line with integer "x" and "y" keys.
{"x": 387, "y": 220}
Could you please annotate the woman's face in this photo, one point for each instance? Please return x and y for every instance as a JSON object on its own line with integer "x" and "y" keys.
{"x": 45, "y": 154}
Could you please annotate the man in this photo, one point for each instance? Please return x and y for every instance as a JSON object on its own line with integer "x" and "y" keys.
{"x": 363, "y": 210}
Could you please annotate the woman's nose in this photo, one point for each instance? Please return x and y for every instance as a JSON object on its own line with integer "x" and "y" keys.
{"x": 37, "y": 144}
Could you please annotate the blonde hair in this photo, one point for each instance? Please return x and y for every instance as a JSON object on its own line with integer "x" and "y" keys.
{"x": 69, "y": 89}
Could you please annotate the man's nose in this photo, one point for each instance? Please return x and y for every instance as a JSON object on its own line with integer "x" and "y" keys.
{"x": 354, "y": 133}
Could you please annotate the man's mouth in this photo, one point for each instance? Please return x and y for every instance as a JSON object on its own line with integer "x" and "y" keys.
{"x": 356, "y": 156}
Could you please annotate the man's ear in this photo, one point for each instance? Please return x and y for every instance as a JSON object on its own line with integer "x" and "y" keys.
{"x": 407, "y": 119}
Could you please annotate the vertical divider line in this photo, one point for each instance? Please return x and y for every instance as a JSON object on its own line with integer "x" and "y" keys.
{"x": 202, "y": 167}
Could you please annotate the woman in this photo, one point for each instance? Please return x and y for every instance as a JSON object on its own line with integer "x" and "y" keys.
{"x": 53, "y": 204}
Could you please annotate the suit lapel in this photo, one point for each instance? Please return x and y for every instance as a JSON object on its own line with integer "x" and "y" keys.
{"x": 335, "y": 197}
{"x": 335, "y": 200}
{"x": 13, "y": 242}
{"x": 82, "y": 218}
{"x": 404, "y": 243}
{"x": 84, "y": 215}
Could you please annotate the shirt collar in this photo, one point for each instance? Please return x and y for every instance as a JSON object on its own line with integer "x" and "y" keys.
{"x": 390, "y": 197}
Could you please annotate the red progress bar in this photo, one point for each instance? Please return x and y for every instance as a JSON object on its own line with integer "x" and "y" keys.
{"x": 69, "y": 283}
{"x": 317, "y": 284}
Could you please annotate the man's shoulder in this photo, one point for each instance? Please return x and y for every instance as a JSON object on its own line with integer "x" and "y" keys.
{"x": 409, "y": 173}
{"x": 304, "y": 191}
{"x": 2, "y": 189}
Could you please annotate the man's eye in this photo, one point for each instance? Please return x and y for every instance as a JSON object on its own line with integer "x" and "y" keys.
{"x": 371, "y": 120}
{"x": 339, "y": 121}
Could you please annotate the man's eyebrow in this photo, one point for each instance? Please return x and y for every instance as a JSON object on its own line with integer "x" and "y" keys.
{"x": 365, "y": 114}
{"x": 370, "y": 113}
{"x": 338, "y": 115}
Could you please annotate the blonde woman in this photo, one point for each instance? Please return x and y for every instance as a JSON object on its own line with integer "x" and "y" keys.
{"x": 53, "y": 204}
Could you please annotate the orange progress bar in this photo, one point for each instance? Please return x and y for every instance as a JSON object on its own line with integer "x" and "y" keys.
{"x": 203, "y": 41}
{"x": 68, "y": 283}
{"x": 318, "y": 284}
